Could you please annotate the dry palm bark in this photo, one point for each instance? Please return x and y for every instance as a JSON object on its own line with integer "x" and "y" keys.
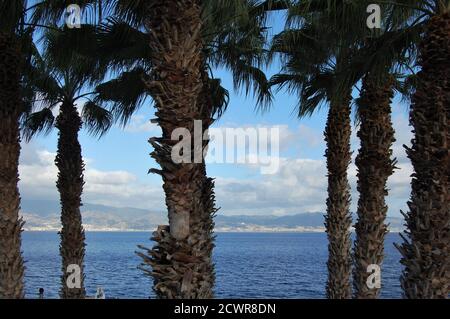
{"x": 70, "y": 186}
{"x": 181, "y": 261}
{"x": 426, "y": 251}
{"x": 11, "y": 261}
{"x": 338, "y": 218}
{"x": 204, "y": 226}
{"x": 375, "y": 164}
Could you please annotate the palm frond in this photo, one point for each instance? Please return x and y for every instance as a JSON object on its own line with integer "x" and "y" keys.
{"x": 40, "y": 85}
{"x": 407, "y": 87}
{"x": 125, "y": 94}
{"x": 131, "y": 11}
{"x": 40, "y": 122}
{"x": 75, "y": 52}
{"x": 317, "y": 90}
{"x": 97, "y": 120}
{"x": 252, "y": 79}
{"x": 123, "y": 45}
{"x": 220, "y": 97}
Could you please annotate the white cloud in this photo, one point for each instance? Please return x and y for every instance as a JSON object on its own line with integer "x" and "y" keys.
{"x": 38, "y": 175}
{"x": 108, "y": 178}
{"x": 141, "y": 124}
{"x": 301, "y": 184}
{"x": 296, "y": 188}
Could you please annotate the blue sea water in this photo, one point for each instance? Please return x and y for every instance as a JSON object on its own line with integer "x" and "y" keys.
{"x": 248, "y": 265}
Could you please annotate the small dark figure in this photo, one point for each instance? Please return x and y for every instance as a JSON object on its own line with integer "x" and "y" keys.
{"x": 41, "y": 293}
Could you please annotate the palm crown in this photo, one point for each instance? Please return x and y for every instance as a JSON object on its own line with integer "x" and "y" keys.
{"x": 58, "y": 77}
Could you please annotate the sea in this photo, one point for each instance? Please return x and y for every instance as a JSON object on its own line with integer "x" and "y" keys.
{"x": 248, "y": 265}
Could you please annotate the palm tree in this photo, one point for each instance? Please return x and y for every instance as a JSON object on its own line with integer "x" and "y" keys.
{"x": 172, "y": 260}
{"x": 13, "y": 35}
{"x": 17, "y": 26}
{"x": 189, "y": 194}
{"x": 62, "y": 77}
{"x": 310, "y": 69}
{"x": 232, "y": 41}
{"x": 426, "y": 246}
{"x": 372, "y": 60}
{"x": 181, "y": 262}
{"x": 379, "y": 63}
{"x": 171, "y": 71}
{"x": 11, "y": 261}
{"x": 374, "y": 166}
{"x": 407, "y": 23}
{"x": 373, "y": 57}
{"x": 376, "y": 57}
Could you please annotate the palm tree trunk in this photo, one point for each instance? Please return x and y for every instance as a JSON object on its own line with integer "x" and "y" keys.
{"x": 181, "y": 260}
{"x": 338, "y": 218}
{"x": 70, "y": 186}
{"x": 11, "y": 261}
{"x": 208, "y": 210}
{"x": 426, "y": 248}
{"x": 374, "y": 165}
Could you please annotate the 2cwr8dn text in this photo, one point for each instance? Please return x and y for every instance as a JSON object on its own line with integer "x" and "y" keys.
{"x": 246, "y": 308}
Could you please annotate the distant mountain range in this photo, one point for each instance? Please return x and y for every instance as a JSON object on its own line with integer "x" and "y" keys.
{"x": 43, "y": 215}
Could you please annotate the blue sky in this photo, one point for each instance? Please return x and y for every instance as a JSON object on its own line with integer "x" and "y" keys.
{"x": 117, "y": 165}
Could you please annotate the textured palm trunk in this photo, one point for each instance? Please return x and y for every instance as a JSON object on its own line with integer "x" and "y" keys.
{"x": 205, "y": 225}
{"x": 426, "y": 249}
{"x": 70, "y": 186}
{"x": 11, "y": 261}
{"x": 375, "y": 164}
{"x": 338, "y": 218}
{"x": 181, "y": 261}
